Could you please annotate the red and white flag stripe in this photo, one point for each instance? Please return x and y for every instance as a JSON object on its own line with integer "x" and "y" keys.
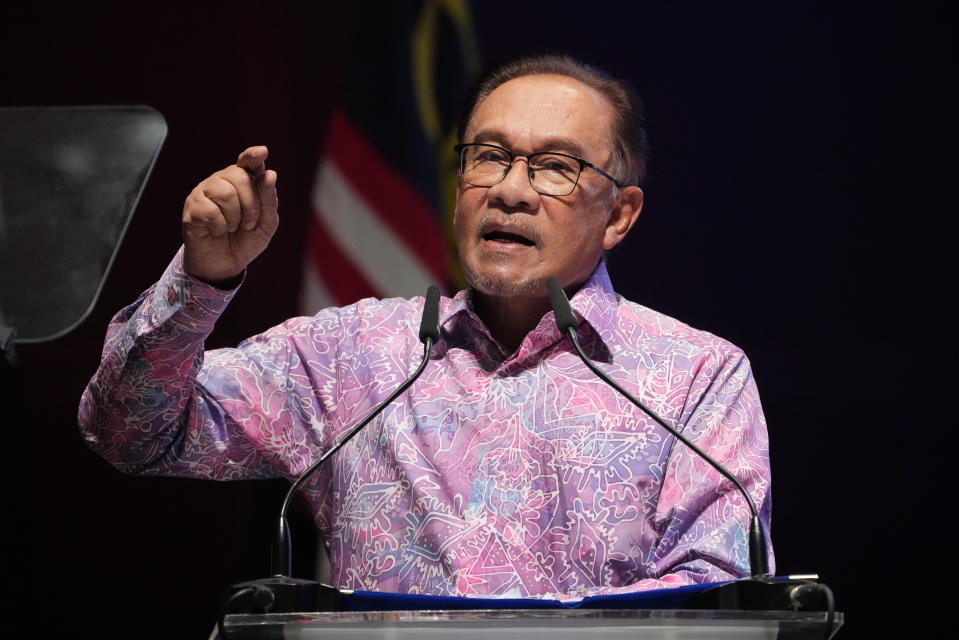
{"x": 371, "y": 233}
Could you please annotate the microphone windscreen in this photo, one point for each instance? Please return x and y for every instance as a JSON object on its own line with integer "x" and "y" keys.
{"x": 565, "y": 318}
{"x": 430, "y": 324}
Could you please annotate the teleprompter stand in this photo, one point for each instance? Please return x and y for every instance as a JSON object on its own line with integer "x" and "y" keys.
{"x": 70, "y": 178}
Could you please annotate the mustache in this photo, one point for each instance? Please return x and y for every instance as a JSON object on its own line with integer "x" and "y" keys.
{"x": 517, "y": 226}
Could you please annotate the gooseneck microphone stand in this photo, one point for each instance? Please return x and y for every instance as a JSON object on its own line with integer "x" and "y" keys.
{"x": 282, "y": 593}
{"x": 760, "y": 591}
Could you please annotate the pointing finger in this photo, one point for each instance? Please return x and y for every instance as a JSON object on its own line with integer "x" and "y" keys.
{"x": 253, "y": 159}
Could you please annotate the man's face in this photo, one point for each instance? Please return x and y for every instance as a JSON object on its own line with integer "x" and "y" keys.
{"x": 509, "y": 237}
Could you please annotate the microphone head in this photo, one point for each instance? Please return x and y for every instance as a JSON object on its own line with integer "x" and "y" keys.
{"x": 565, "y": 318}
{"x": 430, "y": 324}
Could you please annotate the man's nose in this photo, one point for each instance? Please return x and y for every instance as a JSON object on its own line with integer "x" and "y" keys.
{"x": 515, "y": 190}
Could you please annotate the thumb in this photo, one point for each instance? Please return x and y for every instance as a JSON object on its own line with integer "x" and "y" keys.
{"x": 269, "y": 203}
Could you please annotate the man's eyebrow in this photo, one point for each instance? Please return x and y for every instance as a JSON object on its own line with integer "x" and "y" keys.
{"x": 488, "y": 137}
{"x": 563, "y": 145}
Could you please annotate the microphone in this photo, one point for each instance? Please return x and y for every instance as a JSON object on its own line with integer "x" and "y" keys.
{"x": 566, "y": 322}
{"x": 430, "y": 324}
{"x": 760, "y": 591}
{"x": 281, "y": 593}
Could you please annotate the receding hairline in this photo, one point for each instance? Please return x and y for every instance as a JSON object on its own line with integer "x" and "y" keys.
{"x": 603, "y": 102}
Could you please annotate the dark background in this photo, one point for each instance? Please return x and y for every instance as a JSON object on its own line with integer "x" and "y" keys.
{"x": 798, "y": 205}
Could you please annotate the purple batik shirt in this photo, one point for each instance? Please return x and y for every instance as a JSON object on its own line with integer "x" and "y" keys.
{"x": 496, "y": 473}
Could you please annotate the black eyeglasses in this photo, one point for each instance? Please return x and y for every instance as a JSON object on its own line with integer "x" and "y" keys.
{"x": 550, "y": 173}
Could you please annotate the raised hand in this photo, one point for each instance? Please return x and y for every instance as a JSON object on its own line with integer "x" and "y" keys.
{"x": 229, "y": 218}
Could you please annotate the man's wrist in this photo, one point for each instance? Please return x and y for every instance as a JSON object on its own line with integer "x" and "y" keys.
{"x": 226, "y": 284}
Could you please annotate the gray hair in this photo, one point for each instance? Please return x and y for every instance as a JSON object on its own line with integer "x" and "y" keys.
{"x": 630, "y": 148}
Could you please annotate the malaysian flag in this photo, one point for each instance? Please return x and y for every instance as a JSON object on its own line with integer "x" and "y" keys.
{"x": 382, "y": 199}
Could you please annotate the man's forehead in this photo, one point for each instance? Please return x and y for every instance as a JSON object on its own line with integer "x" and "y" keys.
{"x": 551, "y": 107}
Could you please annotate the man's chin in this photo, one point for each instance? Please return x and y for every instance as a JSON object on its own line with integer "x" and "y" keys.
{"x": 502, "y": 286}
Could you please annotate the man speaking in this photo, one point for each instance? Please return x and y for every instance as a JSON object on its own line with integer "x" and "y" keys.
{"x": 507, "y": 468}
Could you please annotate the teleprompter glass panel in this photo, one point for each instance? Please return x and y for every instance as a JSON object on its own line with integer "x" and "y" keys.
{"x": 70, "y": 178}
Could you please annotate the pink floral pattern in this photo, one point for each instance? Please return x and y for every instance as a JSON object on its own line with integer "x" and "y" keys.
{"x": 494, "y": 474}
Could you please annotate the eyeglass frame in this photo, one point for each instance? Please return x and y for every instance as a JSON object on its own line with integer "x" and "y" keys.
{"x": 529, "y": 172}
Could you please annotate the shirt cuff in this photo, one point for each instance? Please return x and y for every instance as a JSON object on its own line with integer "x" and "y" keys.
{"x": 192, "y": 304}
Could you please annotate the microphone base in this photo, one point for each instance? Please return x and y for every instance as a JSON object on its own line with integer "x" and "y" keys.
{"x": 762, "y": 593}
{"x": 289, "y": 595}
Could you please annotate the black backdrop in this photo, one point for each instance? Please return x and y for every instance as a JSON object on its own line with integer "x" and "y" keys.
{"x": 800, "y": 153}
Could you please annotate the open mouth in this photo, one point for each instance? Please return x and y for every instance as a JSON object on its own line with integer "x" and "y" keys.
{"x": 506, "y": 237}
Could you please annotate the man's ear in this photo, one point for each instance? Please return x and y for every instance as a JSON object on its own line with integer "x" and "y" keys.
{"x": 622, "y": 217}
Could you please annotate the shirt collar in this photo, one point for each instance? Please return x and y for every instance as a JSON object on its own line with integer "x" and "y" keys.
{"x": 595, "y": 305}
